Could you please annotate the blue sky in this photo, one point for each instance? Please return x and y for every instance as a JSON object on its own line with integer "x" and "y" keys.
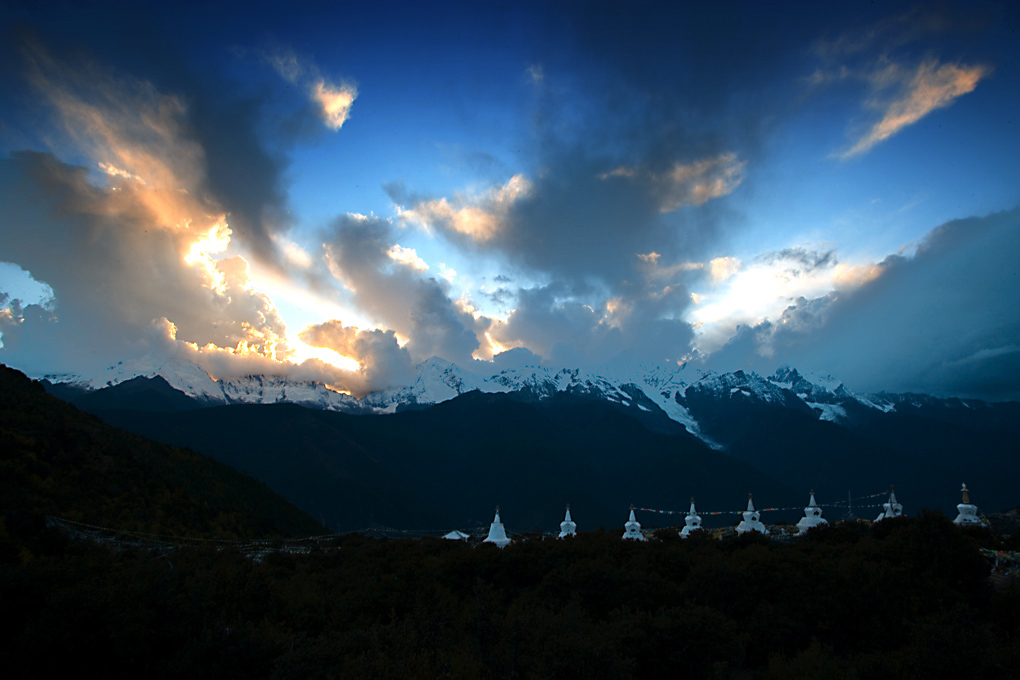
{"x": 296, "y": 189}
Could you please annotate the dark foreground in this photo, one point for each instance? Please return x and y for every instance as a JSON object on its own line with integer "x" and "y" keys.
{"x": 906, "y": 598}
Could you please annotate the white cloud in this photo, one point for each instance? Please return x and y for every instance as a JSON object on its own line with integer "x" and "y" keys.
{"x": 723, "y": 268}
{"x": 407, "y": 257}
{"x": 287, "y": 64}
{"x": 447, "y": 273}
{"x": 749, "y": 294}
{"x": 335, "y": 102}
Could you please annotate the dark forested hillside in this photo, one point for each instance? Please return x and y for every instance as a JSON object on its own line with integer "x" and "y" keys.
{"x": 448, "y": 466}
{"x": 57, "y": 460}
{"x": 906, "y": 598}
{"x": 926, "y": 450}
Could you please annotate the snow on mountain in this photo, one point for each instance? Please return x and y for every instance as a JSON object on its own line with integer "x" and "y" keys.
{"x": 185, "y": 376}
{"x": 195, "y": 382}
{"x": 649, "y": 387}
{"x": 825, "y": 394}
{"x": 271, "y": 389}
{"x": 749, "y": 385}
{"x": 438, "y": 380}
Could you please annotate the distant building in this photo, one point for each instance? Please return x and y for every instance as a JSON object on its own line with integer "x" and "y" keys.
{"x": 567, "y": 526}
{"x": 751, "y": 521}
{"x": 890, "y": 508}
{"x": 497, "y": 534}
{"x": 692, "y": 522}
{"x": 632, "y": 529}
{"x": 968, "y": 514}
{"x": 812, "y": 517}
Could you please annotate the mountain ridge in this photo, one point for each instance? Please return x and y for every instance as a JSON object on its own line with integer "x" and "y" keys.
{"x": 808, "y": 430}
{"x": 663, "y": 390}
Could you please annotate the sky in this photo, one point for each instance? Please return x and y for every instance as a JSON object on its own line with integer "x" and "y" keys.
{"x": 336, "y": 191}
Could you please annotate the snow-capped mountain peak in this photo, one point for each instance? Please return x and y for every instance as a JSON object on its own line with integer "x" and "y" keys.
{"x": 680, "y": 393}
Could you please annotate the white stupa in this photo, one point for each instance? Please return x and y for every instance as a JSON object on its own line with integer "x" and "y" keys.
{"x": 812, "y": 517}
{"x": 692, "y": 522}
{"x": 497, "y": 534}
{"x": 751, "y": 521}
{"x": 567, "y": 526}
{"x": 456, "y": 535}
{"x": 890, "y": 508}
{"x": 632, "y": 529}
{"x": 968, "y": 513}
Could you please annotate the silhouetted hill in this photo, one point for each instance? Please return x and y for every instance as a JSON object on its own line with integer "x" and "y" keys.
{"x": 137, "y": 394}
{"x": 927, "y": 450}
{"x": 57, "y": 460}
{"x": 449, "y": 465}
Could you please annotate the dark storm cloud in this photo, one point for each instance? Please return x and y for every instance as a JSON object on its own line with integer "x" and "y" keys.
{"x": 397, "y": 295}
{"x": 943, "y": 321}
{"x": 116, "y": 268}
{"x": 567, "y": 332}
{"x": 800, "y": 259}
{"x": 643, "y": 121}
{"x": 383, "y": 362}
{"x": 577, "y": 226}
{"x": 240, "y": 136}
{"x": 501, "y": 296}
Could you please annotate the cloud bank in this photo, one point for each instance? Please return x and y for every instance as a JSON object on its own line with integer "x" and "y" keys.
{"x": 942, "y": 322}
{"x": 634, "y": 151}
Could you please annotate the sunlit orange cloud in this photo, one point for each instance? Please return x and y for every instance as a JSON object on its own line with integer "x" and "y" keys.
{"x": 117, "y": 172}
{"x": 854, "y": 276}
{"x": 932, "y": 87}
{"x": 617, "y": 311}
{"x": 262, "y": 344}
{"x": 688, "y": 183}
{"x": 335, "y": 102}
{"x": 481, "y": 218}
{"x": 215, "y": 240}
{"x": 164, "y": 236}
{"x": 133, "y": 131}
{"x": 303, "y": 352}
{"x": 136, "y": 133}
{"x": 467, "y": 305}
{"x": 491, "y": 347}
{"x": 300, "y": 306}
{"x": 699, "y": 182}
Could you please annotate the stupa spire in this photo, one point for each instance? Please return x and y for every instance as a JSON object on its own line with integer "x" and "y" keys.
{"x": 632, "y": 529}
{"x": 812, "y": 516}
{"x": 890, "y": 508}
{"x": 968, "y": 514}
{"x": 567, "y": 526}
{"x": 692, "y": 522}
{"x": 497, "y": 534}
{"x": 751, "y": 521}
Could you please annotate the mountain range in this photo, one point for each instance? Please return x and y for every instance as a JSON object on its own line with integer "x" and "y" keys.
{"x": 445, "y": 449}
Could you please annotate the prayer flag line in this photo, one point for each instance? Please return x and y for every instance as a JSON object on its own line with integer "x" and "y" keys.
{"x": 797, "y": 507}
